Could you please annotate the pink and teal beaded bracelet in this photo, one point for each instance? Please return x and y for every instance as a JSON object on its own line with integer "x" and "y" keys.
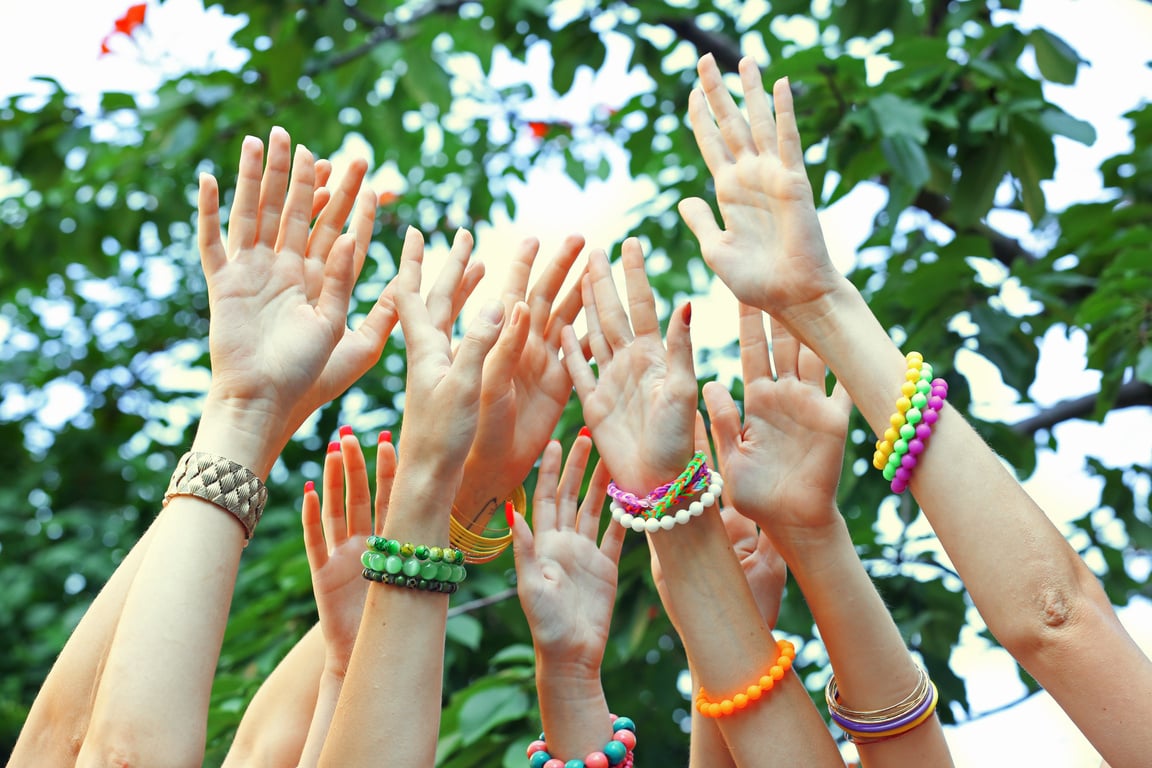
{"x": 617, "y": 752}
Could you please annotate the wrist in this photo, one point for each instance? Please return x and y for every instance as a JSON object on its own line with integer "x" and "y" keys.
{"x": 247, "y": 432}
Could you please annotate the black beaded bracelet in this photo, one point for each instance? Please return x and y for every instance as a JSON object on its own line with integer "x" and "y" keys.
{"x": 411, "y": 582}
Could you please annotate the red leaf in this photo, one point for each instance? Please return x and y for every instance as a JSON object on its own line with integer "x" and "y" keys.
{"x": 539, "y": 130}
{"x": 132, "y": 18}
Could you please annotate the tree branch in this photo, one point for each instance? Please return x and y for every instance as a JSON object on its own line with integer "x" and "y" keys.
{"x": 1132, "y": 393}
{"x": 1004, "y": 249}
{"x": 726, "y": 52}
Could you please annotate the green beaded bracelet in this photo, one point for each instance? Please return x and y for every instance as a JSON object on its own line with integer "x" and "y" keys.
{"x": 419, "y": 551}
{"x": 396, "y": 565}
{"x": 411, "y": 582}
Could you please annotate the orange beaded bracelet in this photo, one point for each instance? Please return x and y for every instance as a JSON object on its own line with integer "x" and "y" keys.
{"x": 752, "y": 693}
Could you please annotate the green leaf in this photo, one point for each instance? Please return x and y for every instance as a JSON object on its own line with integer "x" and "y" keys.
{"x": 907, "y": 159}
{"x": 900, "y": 117}
{"x": 981, "y": 171}
{"x": 466, "y": 630}
{"x": 1059, "y": 123}
{"x": 1057, "y": 60}
{"x": 1144, "y": 365}
{"x": 488, "y": 708}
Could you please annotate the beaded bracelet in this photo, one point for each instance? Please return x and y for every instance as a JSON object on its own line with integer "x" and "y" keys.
{"x": 477, "y": 547}
{"x": 878, "y": 725}
{"x": 694, "y": 473}
{"x": 917, "y": 409}
{"x": 752, "y": 693}
{"x": 652, "y": 521}
{"x": 411, "y": 582}
{"x": 396, "y": 565}
{"x": 618, "y": 751}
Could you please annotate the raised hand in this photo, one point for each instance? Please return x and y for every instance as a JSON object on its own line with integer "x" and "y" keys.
{"x": 771, "y": 252}
{"x": 278, "y": 292}
{"x": 782, "y": 465}
{"x": 530, "y": 405}
{"x": 566, "y": 583}
{"x": 334, "y": 533}
{"x": 641, "y": 408}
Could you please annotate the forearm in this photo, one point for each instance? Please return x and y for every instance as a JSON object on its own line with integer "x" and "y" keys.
{"x": 328, "y": 694}
{"x": 401, "y": 639}
{"x": 872, "y": 665}
{"x": 573, "y": 709}
{"x": 708, "y": 592}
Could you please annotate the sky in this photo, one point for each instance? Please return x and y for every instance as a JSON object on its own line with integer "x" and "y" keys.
{"x": 1112, "y": 35}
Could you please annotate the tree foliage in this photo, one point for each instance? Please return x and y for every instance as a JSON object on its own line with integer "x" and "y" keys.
{"x": 101, "y": 297}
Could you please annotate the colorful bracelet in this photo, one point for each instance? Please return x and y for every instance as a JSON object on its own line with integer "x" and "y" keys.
{"x": 752, "y": 693}
{"x": 396, "y": 565}
{"x": 917, "y": 409}
{"x": 681, "y": 487}
{"x": 618, "y": 751}
{"x": 416, "y": 566}
{"x": 411, "y": 582}
{"x": 652, "y": 521}
{"x": 864, "y": 727}
{"x": 477, "y": 547}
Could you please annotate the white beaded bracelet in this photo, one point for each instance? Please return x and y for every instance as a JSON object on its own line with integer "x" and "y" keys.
{"x": 670, "y": 520}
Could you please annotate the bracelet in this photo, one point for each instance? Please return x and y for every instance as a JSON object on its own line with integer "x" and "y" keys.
{"x": 418, "y": 551}
{"x": 917, "y": 409}
{"x": 678, "y": 488}
{"x": 652, "y": 521}
{"x": 476, "y": 547}
{"x": 767, "y": 681}
{"x": 396, "y": 565}
{"x": 220, "y": 481}
{"x": 863, "y": 727}
{"x": 411, "y": 582}
{"x": 416, "y": 566}
{"x": 618, "y": 751}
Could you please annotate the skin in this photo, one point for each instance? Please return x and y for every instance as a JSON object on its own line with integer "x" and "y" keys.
{"x": 567, "y": 587}
{"x": 641, "y": 410}
{"x": 279, "y": 344}
{"x": 1035, "y": 594}
{"x": 782, "y": 462}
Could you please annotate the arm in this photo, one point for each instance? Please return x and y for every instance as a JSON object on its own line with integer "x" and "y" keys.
{"x": 641, "y": 412}
{"x": 783, "y": 466}
{"x": 567, "y": 586}
{"x": 1034, "y": 592}
{"x": 291, "y": 286}
{"x": 401, "y": 634}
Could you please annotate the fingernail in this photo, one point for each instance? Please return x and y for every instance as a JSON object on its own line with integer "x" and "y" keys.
{"x": 585, "y": 432}
{"x": 385, "y": 437}
{"x": 493, "y": 312}
{"x": 508, "y": 516}
{"x": 309, "y": 487}
{"x": 686, "y": 313}
{"x": 345, "y": 431}
{"x": 334, "y": 446}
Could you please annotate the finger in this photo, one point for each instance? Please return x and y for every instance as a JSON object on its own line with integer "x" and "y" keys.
{"x": 707, "y": 134}
{"x": 810, "y": 367}
{"x": 440, "y": 299}
{"x": 697, "y": 215}
{"x": 339, "y": 280}
{"x": 785, "y": 350}
{"x": 583, "y": 380}
{"x": 332, "y": 510}
{"x": 741, "y": 531}
{"x": 788, "y": 135}
{"x": 272, "y": 187}
{"x": 544, "y": 500}
{"x": 725, "y": 419}
{"x": 841, "y": 401}
{"x": 357, "y": 493}
{"x": 568, "y": 491}
{"x": 377, "y": 326}
{"x": 363, "y": 221}
{"x": 563, "y": 314}
{"x": 385, "y": 476}
{"x": 733, "y": 126}
{"x": 597, "y": 344}
{"x": 314, "y": 545}
{"x": 500, "y": 366}
{"x": 520, "y": 271}
{"x": 320, "y": 198}
{"x": 523, "y": 546}
{"x": 212, "y": 254}
{"x": 641, "y": 303}
{"x": 588, "y": 522}
{"x": 700, "y": 440}
{"x": 242, "y": 218}
{"x": 763, "y": 126}
{"x": 547, "y": 288}
{"x": 468, "y": 363}
{"x": 613, "y": 542}
{"x": 419, "y": 332}
{"x": 613, "y": 319}
{"x": 473, "y": 274}
{"x": 323, "y": 174}
{"x": 297, "y": 214}
{"x": 681, "y": 377}
{"x": 755, "y": 361}
{"x": 331, "y": 222}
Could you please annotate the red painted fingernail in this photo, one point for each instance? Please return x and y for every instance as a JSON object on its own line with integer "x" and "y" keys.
{"x": 334, "y": 446}
{"x": 345, "y": 431}
{"x": 686, "y": 313}
{"x": 309, "y": 487}
{"x": 508, "y": 509}
{"x": 585, "y": 432}
{"x": 385, "y": 436}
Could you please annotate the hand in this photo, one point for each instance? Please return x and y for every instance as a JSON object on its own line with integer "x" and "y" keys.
{"x": 278, "y": 293}
{"x": 443, "y": 389}
{"x": 641, "y": 409}
{"x": 567, "y": 585}
{"x": 771, "y": 252}
{"x": 334, "y": 536}
{"x": 517, "y": 420}
{"x": 782, "y": 467}
{"x": 763, "y": 567}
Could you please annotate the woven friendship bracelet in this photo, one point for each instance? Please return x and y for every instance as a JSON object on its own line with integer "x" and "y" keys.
{"x": 652, "y": 521}
{"x": 220, "y": 481}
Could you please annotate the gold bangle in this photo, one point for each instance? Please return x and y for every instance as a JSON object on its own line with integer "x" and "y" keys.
{"x": 478, "y": 548}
